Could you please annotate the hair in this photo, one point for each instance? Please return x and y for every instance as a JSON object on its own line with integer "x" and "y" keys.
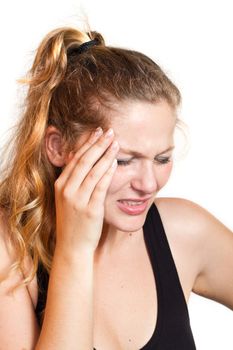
{"x": 71, "y": 91}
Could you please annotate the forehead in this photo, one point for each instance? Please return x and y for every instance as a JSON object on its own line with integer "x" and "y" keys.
{"x": 140, "y": 124}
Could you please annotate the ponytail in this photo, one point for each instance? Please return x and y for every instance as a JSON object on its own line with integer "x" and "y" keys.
{"x": 27, "y": 192}
{"x": 74, "y": 92}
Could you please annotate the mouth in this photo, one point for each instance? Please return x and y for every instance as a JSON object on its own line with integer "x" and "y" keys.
{"x": 133, "y": 206}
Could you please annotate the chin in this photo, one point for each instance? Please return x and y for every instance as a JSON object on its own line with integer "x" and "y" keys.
{"x": 123, "y": 221}
{"x": 125, "y": 227}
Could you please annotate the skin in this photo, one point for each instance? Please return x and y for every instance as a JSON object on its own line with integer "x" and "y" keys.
{"x": 146, "y": 177}
{"x": 114, "y": 240}
{"x": 143, "y": 177}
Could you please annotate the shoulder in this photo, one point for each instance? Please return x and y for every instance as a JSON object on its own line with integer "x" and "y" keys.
{"x": 182, "y": 218}
{"x": 193, "y": 224}
{"x": 17, "y": 316}
{"x": 180, "y": 209}
{"x": 191, "y": 219}
{"x": 8, "y": 257}
{"x": 207, "y": 240}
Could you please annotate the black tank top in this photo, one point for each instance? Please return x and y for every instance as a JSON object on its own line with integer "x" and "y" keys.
{"x": 172, "y": 330}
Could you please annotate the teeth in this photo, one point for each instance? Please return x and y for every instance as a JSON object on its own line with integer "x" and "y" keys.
{"x": 131, "y": 203}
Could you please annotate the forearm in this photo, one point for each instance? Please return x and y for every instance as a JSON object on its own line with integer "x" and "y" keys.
{"x": 68, "y": 321}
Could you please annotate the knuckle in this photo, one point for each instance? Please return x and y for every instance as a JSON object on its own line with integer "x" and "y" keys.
{"x": 93, "y": 176}
{"x": 100, "y": 187}
{"x": 78, "y": 207}
{"x": 66, "y": 194}
{"x": 57, "y": 185}
{"x": 83, "y": 162}
{"x": 91, "y": 213}
{"x": 70, "y": 199}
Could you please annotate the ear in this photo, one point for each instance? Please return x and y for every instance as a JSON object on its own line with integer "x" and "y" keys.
{"x": 54, "y": 146}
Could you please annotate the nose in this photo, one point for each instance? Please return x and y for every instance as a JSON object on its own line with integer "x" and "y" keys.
{"x": 145, "y": 179}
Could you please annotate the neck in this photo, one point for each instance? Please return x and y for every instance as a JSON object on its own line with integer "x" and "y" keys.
{"x": 113, "y": 241}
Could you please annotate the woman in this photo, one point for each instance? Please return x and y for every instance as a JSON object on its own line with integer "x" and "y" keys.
{"x": 90, "y": 256}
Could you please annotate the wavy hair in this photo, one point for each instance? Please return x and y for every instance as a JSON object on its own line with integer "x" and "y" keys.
{"x": 72, "y": 92}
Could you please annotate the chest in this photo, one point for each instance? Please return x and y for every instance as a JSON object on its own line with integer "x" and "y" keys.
{"x": 125, "y": 294}
{"x": 124, "y": 297}
{"x": 126, "y": 300}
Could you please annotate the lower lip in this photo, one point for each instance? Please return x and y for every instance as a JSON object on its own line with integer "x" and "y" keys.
{"x": 132, "y": 210}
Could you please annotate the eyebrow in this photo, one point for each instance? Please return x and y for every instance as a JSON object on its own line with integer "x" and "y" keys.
{"x": 140, "y": 155}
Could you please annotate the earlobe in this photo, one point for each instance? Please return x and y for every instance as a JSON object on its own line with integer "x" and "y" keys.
{"x": 54, "y": 146}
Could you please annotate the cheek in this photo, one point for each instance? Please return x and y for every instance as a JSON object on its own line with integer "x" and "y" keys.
{"x": 164, "y": 174}
{"x": 118, "y": 181}
{"x": 121, "y": 178}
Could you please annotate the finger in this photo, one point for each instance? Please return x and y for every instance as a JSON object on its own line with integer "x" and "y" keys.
{"x": 102, "y": 166}
{"x": 99, "y": 194}
{"x": 87, "y": 162}
{"x": 74, "y": 156}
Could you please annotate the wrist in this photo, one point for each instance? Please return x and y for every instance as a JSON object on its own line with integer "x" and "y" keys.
{"x": 70, "y": 256}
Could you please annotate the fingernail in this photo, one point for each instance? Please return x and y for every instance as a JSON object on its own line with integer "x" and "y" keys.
{"x": 114, "y": 163}
{"x": 98, "y": 132}
{"x": 109, "y": 132}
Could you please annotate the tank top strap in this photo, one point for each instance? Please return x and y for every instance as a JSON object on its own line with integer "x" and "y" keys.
{"x": 42, "y": 282}
{"x": 170, "y": 293}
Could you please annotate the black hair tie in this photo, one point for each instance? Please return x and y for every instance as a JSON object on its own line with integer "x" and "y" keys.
{"x": 83, "y": 47}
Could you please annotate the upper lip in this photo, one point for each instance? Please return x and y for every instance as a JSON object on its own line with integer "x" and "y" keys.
{"x": 135, "y": 199}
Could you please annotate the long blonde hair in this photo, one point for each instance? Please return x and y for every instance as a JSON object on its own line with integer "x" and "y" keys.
{"x": 72, "y": 92}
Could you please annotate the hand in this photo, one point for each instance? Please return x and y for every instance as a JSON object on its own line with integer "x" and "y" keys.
{"x": 80, "y": 193}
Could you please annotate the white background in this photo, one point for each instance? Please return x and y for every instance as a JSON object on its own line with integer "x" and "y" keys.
{"x": 192, "y": 41}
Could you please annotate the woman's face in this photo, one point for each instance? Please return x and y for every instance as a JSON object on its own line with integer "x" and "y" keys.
{"x": 147, "y": 129}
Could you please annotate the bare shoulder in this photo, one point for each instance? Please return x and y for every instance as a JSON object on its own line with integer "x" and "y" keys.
{"x": 182, "y": 219}
{"x": 7, "y": 251}
{"x": 207, "y": 239}
{"x": 191, "y": 220}
{"x": 189, "y": 217}
{"x": 181, "y": 222}
{"x": 181, "y": 211}
{"x": 8, "y": 257}
{"x": 17, "y": 311}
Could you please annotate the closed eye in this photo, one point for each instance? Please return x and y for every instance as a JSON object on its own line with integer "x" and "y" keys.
{"x": 123, "y": 162}
{"x": 161, "y": 160}
{"x": 164, "y": 160}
